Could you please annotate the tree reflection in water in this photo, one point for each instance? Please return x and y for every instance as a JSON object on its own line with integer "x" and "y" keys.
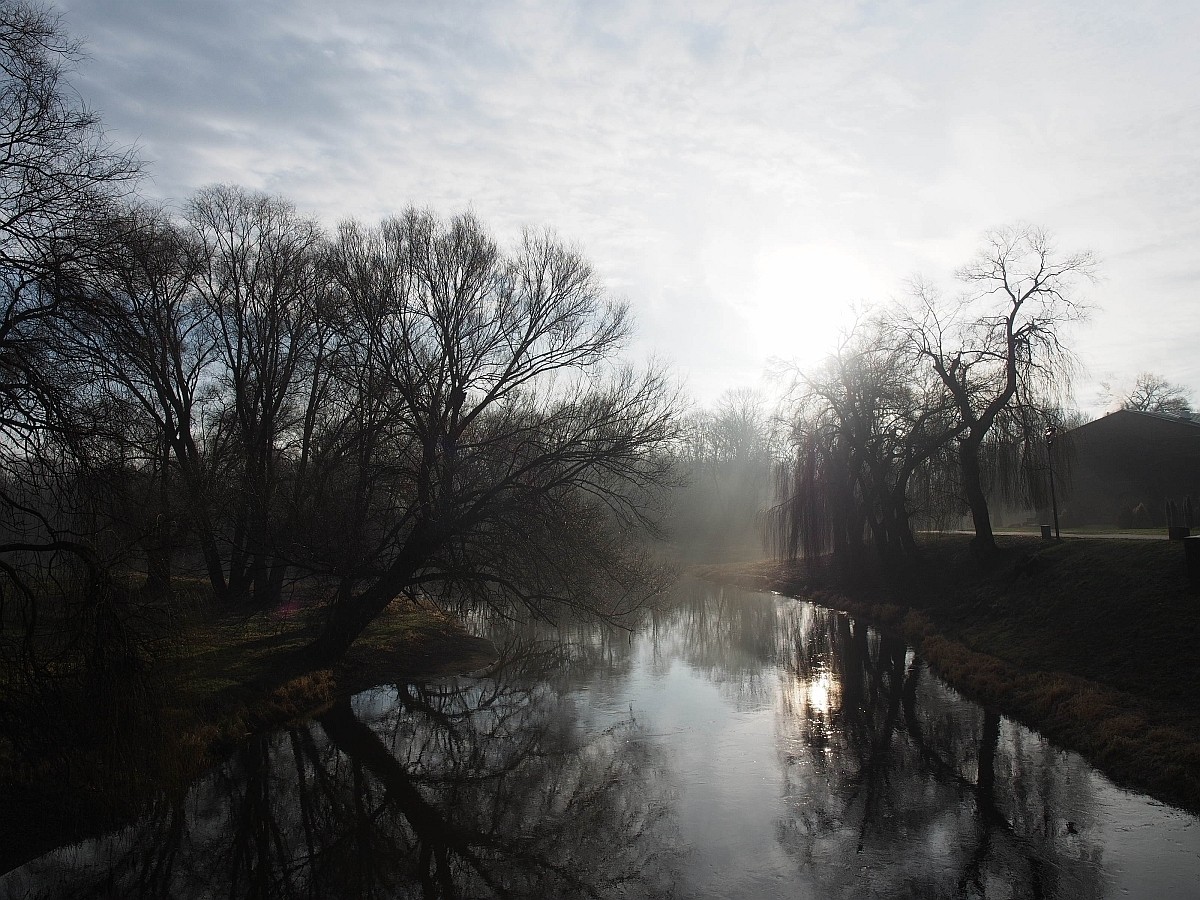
{"x": 730, "y": 642}
{"x": 466, "y": 788}
{"x": 787, "y": 752}
{"x": 912, "y": 790}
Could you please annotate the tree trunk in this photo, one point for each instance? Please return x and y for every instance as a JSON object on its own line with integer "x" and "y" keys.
{"x": 202, "y": 526}
{"x": 907, "y": 541}
{"x": 985, "y": 781}
{"x": 983, "y": 545}
{"x": 212, "y": 560}
{"x": 349, "y": 618}
{"x": 352, "y": 614}
{"x": 158, "y": 550}
{"x": 275, "y": 580}
{"x": 239, "y": 561}
{"x": 191, "y": 474}
{"x": 263, "y": 594}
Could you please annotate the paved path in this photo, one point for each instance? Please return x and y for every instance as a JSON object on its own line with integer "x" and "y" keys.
{"x": 1086, "y": 535}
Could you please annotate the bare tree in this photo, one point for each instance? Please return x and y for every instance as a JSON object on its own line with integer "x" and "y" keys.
{"x": 411, "y": 409}
{"x": 505, "y": 443}
{"x": 57, "y": 169}
{"x": 148, "y": 339}
{"x": 63, "y": 621}
{"x": 260, "y": 274}
{"x": 998, "y": 347}
{"x": 59, "y": 177}
{"x": 1150, "y": 393}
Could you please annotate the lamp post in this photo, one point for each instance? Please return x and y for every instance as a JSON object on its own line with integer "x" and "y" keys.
{"x": 1051, "y": 434}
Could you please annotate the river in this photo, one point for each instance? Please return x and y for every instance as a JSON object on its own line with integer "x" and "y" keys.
{"x": 737, "y": 744}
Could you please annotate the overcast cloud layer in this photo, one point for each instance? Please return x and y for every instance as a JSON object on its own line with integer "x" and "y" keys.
{"x": 743, "y": 173}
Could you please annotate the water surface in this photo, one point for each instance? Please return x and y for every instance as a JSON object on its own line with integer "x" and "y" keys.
{"x": 737, "y": 745}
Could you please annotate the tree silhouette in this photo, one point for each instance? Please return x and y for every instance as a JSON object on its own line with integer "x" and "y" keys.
{"x": 1150, "y": 393}
{"x": 998, "y": 348}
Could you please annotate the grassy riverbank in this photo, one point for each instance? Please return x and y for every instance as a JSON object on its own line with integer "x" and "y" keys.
{"x": 114, "y": 751}
{"x": 1094, "y": 642}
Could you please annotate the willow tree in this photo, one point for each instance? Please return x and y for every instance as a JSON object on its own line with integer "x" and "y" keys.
{"x": 998, "y": 347}
{"x": 483, "y": 440}
{"x": 867, "y": 421}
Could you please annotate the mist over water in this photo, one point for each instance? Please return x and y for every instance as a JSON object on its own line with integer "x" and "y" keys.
{"x": 737, "y": 744}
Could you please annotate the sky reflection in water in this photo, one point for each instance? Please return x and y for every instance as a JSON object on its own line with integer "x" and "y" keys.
{"x": 740, "y": 745}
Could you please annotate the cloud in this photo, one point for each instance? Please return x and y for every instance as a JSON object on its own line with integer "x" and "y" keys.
{"x": 682, "y": 144}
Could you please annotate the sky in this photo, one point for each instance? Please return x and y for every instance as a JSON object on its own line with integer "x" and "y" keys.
{"x": 748, "y": 175}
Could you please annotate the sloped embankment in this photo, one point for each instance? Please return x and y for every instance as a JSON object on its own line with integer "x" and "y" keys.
{"x": 1093, "y": 642}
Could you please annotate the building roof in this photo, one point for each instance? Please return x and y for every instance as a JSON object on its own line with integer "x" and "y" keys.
{"x": 1135, "y": 418}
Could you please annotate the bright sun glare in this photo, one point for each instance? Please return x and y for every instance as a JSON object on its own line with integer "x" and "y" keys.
{"x": 816, "y": 695}
{"x": 804, "y": 296}
{"x": 820, "y": 693}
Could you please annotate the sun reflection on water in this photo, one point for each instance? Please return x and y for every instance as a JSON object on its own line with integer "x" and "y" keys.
{"x": 819, "y": 693}
{"x": 814, "y": 698}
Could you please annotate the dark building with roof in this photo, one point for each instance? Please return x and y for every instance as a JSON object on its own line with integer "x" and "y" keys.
{"x": 1122, "y": 470}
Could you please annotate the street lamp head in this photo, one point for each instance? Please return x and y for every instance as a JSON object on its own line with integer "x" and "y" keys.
{"x": 1051, "y": 434}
